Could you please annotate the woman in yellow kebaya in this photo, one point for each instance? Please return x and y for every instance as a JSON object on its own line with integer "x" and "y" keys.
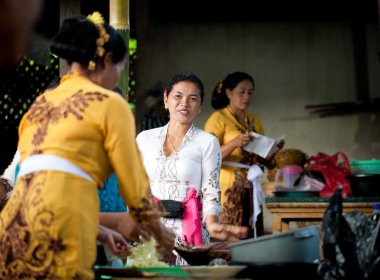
{"x": 70, "y": 140}
{"x": 232, "y": 125}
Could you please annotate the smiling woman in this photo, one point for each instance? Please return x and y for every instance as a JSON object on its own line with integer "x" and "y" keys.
{"x": 183, "y": 165}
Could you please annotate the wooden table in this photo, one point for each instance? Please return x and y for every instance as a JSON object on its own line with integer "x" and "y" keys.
{"x": 285, "y": 210}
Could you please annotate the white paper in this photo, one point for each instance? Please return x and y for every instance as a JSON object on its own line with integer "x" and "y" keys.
{"x": 262, "y": 145}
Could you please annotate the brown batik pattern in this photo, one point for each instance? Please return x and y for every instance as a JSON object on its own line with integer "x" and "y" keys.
{"x": 232, "y": 208}
{"x": 149, "y": 212}
{"x": 27, "y": 248}
{"x": 45, "y": 113}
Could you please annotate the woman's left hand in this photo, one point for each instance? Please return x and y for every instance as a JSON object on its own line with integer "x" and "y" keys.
{"x": 164, "y": 236}
{"x": 113, "y": 241}
{"x": 281, "y": 144}
{"x": 227, "y": 232}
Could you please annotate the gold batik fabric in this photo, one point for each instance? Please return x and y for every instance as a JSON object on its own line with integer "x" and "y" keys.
{"x": 236, "y": 190}
{"x": 43, "y": 233}
{"x": 238, "y": 204}
{"x": 49, "y": 226}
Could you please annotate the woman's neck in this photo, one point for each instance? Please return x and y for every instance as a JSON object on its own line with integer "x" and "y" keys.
{"x": 78, "y": 69}
{"x": 178, "y": 130}
{"x": 239, "y": 114}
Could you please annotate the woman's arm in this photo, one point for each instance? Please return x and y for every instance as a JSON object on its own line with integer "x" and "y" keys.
{"x": 121, "y": 147}
{"x": 123, "y": 223}
{"x": 225, "y": 232}
{"x": 113, "y": 241}
{"x": 210, "y": 189}
{"x": 238, "y": 142}
{"x": 211, "y": 197}
{"x": 216, "y": 126}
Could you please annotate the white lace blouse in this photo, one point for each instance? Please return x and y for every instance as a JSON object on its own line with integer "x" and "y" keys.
{"x": 195, "y": 164}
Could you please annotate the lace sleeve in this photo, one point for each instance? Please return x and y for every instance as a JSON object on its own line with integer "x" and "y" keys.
{"x": 211, "y": 164}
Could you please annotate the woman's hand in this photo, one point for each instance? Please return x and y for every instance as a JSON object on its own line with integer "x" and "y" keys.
{"x": 123, "y": 223}
{"x": 227, "y": 232}
{"x": 242, "y": 140}
{"x": 238, "y": 142}
{"x": 164, "y": 236}
{"x": 281, "y": 144}
{"x": 113, "y": 241}
{"x": 224, "y": 232}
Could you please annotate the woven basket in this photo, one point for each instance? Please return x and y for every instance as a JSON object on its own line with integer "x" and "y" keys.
{"x": 287, "y": 157}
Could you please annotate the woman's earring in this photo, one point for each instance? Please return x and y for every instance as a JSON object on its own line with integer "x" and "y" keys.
{"x": 199, "y": 111}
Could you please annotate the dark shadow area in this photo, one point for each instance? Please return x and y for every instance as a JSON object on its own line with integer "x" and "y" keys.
{"x": 294, "y": 271}
{"x": 19, "y": 86}
{"x": 368, "y": 136}
{"x": 255, "y": 11}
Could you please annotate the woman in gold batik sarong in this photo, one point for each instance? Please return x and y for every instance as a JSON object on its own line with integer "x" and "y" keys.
{"x": 70, "y": 141}
{"x": 232, "y": 125}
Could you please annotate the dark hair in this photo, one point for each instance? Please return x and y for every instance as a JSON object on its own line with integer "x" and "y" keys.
{"x": 219, "y": 98}
{"x": 76, "y": 42}
{"x": 185, "y": 77}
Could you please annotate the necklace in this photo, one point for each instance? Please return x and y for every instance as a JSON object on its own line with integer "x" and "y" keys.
{"x": 171, "y": 143}
{"x": 243, "y": 122}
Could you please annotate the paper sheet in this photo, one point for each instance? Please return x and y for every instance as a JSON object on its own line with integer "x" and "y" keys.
{"x": 262, "y": 145}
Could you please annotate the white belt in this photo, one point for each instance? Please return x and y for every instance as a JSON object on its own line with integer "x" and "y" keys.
{"x": 236, "y": 164}
{"x": 50, "y": 162}
{"x": 254, "y": 173}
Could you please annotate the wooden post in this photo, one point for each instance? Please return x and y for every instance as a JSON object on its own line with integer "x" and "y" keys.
{"x": 119, "y": 19}
{"x": 378, "y": 11}
{"x": 68, "y": 8}
{"x": 359, "y": 39}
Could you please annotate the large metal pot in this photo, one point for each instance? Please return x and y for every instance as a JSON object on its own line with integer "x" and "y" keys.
{"x": 365, "y": 184}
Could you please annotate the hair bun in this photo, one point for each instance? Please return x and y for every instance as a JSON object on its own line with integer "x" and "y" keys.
{"x": 76, "y": 40}
{"x": 81, "y": 40}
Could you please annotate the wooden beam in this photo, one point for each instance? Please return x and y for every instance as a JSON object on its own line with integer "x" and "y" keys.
{"x": 119, "y": 19}
{"x": 68, "y": 8}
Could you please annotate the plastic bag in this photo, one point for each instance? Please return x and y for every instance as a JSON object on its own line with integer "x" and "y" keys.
{"x": 351, "y": 244}
{"x": 333, "y": 172}
{"x": 308, "y": 183}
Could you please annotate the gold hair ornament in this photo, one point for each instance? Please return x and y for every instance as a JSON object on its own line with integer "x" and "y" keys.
{"x": 97, "y": 19}
{"x": 219, "y": 87}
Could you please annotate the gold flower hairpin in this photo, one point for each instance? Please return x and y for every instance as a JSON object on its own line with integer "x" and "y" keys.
{"x": 97, "y": 19}
{"x": 219, "y": 87}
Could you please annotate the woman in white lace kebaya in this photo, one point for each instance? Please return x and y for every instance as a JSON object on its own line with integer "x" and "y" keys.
{"x": 183, "y": 164}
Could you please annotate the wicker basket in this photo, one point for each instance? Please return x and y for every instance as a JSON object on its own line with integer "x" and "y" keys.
{"x": 287, "y": 157}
